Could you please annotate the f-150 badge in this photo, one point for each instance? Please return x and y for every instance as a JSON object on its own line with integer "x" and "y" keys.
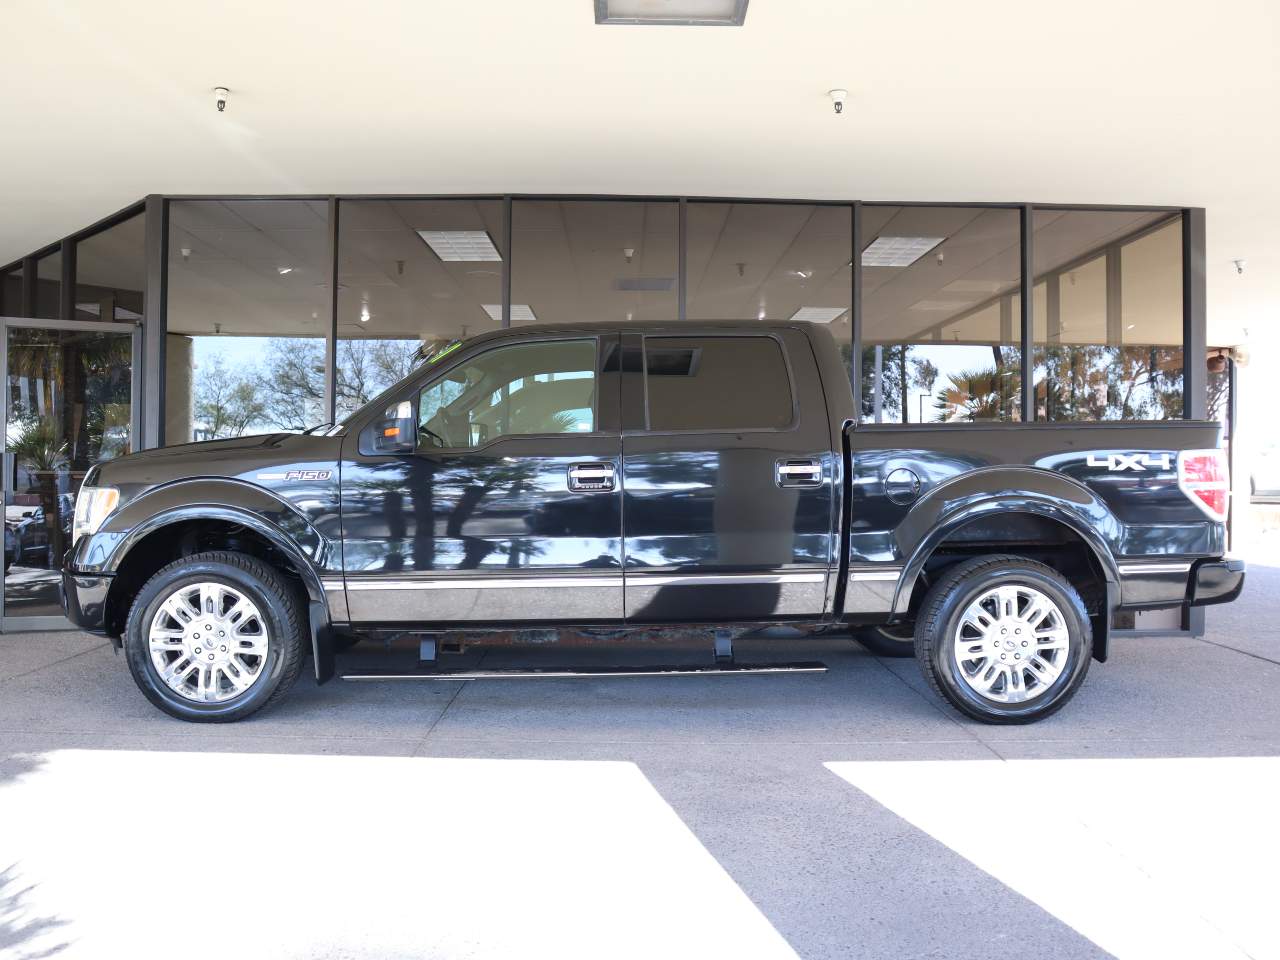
{"x": 297, "y": 475}
{"x": 1139, "y": 462}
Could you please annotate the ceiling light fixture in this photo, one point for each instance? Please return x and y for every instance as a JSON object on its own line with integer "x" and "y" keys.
{"x": 898, "y": 251}
{"x": 364, "y": 313}
{"x": 672, "y": 13}
{"x": 220, "y": 95}
{"x": 520, "y": 312}
{"x": 818, "y": 314}
{"x": 283, "y": 270}
{"x": 838, "y": 97}
{"x": 460, "y": 246}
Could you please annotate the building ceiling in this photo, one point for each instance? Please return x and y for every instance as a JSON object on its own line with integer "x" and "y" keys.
{"x": 1170, "y": 102}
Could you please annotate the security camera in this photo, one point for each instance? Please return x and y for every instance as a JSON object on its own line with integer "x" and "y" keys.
{"x": 838, "y": 97}
{"x": 220, "y": 95}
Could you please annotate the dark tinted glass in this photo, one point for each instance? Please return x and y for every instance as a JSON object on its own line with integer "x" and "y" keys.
{"x": 772, "y": 261}
{"x": 111, "y": 273}
{"x": 11, "y": 293}
{"x": 1107, "y": 315}
{"x": 941, "y": 314}
{"x": 588, "y": 261}
{"x": 413, "y": 275}
{"x": 248, "y": 314}
{"x": 48, "y": 286}
{"x": 717, "y": 383}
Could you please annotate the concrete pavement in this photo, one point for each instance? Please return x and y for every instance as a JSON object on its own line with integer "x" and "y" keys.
{"x": 830, "y": 815}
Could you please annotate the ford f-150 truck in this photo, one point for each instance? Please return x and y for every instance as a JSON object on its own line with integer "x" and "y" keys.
{"x": 601, "y": 479}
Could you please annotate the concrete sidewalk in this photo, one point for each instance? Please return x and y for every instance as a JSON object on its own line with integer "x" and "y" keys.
{"x": 830, "y": 815}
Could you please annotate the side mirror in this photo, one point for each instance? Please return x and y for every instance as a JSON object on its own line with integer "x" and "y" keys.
{"x": 396, "y": 432}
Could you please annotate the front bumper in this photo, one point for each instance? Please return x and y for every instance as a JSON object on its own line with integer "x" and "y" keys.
{"x": 84, "y": 599}
{"x": 1215, "y": 581}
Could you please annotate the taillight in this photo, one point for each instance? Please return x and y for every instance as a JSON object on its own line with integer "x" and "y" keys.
{"x": 1203, "y": 476}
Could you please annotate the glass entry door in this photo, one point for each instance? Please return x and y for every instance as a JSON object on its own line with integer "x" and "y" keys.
{"x": 68, "y": 403}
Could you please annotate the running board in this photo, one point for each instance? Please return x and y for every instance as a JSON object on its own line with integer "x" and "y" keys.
{"x": 694, "y": 670}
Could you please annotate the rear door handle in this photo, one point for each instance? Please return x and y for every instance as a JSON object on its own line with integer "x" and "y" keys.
{"x": 589, "y": 477}
{"x": 798, "y": 473}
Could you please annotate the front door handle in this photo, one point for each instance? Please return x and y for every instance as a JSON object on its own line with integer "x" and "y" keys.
{"x": 798, "y": 473}
{"x": 589, "y": 477}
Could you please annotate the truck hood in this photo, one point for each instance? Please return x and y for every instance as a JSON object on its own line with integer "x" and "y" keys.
{"x": 253, "y": 460}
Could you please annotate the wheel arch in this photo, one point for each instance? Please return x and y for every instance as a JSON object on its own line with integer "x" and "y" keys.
{"x": 180, "y": 518}
{"x": 1079, "y": 519}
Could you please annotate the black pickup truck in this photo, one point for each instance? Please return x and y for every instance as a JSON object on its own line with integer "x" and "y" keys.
{"x": 611, "y": 478}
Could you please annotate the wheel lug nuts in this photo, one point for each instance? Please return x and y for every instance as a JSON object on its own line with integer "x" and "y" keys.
{"x": 223, "y": 649}
{"x": 1024, "y": 643}
{"x": 1002, "y": 656}
{"x": 198, "y": 650}
{"x": 196, "y": 636}
{"x": 211, "y": 656}
{"x": 1017, "y": 656}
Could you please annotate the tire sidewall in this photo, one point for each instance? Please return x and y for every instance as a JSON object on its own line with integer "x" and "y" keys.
{"x": 138, "y": 653}
{"x": 880, "y": 639}
{"x": 942, "y": 650}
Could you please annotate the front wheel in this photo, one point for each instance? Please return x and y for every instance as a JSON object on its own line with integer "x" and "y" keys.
{"x": 1004, "y": 639}
{"x": 215, "y": 637}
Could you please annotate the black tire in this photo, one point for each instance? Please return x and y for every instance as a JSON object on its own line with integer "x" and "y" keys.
{"x": 888, "y": 639}
{"x": 281, "y": 608}
{"x": 944, "y": 607}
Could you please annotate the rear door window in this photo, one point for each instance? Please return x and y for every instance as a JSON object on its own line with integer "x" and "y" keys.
{"x": 716, "y": 384}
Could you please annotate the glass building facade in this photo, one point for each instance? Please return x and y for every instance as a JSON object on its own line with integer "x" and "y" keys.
{"x": 280, "y": 313}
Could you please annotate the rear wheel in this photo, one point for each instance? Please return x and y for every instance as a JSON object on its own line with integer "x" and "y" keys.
{"x": 215, "y": 637}
{"x": 1004, "y": 639}
{"x": 888, "y": 639}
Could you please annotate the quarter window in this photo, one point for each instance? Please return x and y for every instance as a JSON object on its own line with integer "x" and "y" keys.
{"x": 517, "y": 390}
{"x": 716, "y": 383}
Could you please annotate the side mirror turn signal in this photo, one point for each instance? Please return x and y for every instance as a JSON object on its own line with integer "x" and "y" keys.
{"x": 396, "y": 432}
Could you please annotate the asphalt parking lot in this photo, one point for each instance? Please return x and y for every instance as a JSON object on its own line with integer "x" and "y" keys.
{"x": 845, "y": 814}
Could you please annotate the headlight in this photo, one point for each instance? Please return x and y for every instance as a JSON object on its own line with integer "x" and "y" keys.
{"x": 93, "y": 506}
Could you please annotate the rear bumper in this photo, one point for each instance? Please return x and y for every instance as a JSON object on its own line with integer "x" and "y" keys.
{"x": 1215, "y": 581}
{"x": 84, "y": 599}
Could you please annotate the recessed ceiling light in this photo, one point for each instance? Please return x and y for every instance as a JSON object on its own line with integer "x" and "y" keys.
{"x": 898, "y": 251}
{"x": 520, "y": 313}
{"x": 283, "y": 270}
{"x": 460, "y": 246}
{"x": 672, "y": 13}
{"x": 818, "y": 314}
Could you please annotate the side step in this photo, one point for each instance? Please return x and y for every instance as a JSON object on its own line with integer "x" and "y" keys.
{"x": 693, "y": 670}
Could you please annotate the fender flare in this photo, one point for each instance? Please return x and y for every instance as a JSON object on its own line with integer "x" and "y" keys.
{"x": 189, "y": 499}
{"x": 1024, "y": 503}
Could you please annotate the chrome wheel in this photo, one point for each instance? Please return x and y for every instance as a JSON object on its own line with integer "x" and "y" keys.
{"x": 1012, "y": 644}
{"x": 208, "y": 642}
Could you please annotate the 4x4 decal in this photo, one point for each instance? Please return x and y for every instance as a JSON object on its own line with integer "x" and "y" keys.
{"x": 1139, "y": 462}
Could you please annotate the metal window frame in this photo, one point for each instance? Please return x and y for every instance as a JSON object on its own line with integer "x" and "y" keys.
{"x": 156, "y": 209}
{"x": 1194, "y": 319}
